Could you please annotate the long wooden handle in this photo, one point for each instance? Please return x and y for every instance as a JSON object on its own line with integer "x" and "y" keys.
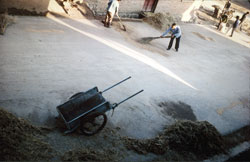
{"x": 119, "y": 18}
{"x": 124, "y": 27}
{"x": 162, "y": 37}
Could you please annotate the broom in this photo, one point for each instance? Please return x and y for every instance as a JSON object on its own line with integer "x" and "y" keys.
{"x": 121, "y": 24}
{"x": 146, "y": 40}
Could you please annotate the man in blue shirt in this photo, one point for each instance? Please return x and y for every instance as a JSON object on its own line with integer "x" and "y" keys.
{"x": 175, "y": 33}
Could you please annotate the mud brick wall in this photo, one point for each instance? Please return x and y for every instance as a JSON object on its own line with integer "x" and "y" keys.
{"x": 175, "y": 7}
{"x": 30, "y": 5}
{"x": 128, "y": 8}
{"x": 132, "y": 8}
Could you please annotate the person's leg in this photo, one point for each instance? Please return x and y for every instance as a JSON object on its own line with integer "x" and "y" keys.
{"x": 106, "y": 19}
{"x": 218, "y": 26}
{"x": 177, "y": 43}
{"x": 110, "y": 18}
{"x": 232, "y": 32}
{"x": 229, "y": 28}
{"x": 170, "y": 43}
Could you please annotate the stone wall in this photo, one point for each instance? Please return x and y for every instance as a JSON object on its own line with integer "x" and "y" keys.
{"x": 174, "y": 7}
{"x": 128, "y": 8}
{"x": 30, "y": 5}
{"x": 131, "y": 8}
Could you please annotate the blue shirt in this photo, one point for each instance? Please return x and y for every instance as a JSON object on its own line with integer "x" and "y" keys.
{"x": 176, "y": 32}
{"x": 109, "y": 4}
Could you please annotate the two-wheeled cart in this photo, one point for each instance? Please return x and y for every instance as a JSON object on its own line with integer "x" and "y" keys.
{"x": 86, "y": 110}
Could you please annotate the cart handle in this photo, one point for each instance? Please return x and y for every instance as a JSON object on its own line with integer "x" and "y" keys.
{"x": 116, "y": 84}
{"x": 117, "y": 104}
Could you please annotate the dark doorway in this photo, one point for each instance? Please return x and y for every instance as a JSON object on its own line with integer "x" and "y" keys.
{"x": 150, "y": 5}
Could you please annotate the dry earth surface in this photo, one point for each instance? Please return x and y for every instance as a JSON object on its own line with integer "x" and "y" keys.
{"x": 45, "y": 60}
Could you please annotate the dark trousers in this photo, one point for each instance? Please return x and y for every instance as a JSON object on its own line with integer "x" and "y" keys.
{"x": 177, "y": 43}
{"x": 233, "y": 29}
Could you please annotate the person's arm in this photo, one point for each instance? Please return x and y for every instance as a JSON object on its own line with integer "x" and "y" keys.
{"x": 117, "y": 9}
{"x": 166, "y": 32}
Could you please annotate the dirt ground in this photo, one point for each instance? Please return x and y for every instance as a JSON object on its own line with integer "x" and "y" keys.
{"x": 111, "y": 139}
{"x": 159, "y": 117}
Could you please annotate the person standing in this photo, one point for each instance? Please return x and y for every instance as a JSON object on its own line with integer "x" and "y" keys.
{"x": 243, "y": 18}
{"x": 235, "y": 25}
{"x": 224, "y": 14}
{"x": 223, "y": 19}
{"x": 175, "y": 33}
{"x": 112, "y": 9}
{"x": 226, "y": 7}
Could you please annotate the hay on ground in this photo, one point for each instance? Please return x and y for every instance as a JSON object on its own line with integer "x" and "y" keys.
{"x": 160, "y": 21}
{"x": 5, "y": 21}
{"x": 19, "y": 140}
{"x": 88, "y": 154}
{"x": 198, "y": 138}
{"x": 146, "y": 40}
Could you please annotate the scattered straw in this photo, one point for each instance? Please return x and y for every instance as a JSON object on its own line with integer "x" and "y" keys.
{"x": 160, "y": 20}
{"x": 198, "y": 138}
{"x": 5, "y": 21}
{"x": 88, "y": 154}
{"x": 19, "y": 140}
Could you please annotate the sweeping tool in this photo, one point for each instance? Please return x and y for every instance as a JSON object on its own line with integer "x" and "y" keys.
{"x": 146, "y": 40}
{"x": 121, "y": 24}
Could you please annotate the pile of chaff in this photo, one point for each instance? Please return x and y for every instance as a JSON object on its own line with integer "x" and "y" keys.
{"x": 160, "y": 21}
{"x": 20, "y": 141}
{"x": 5, "y": 21}
{"x": 89, "y": 154}
{"x": 197, "y": 138}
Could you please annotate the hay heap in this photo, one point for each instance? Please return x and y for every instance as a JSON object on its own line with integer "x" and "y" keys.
{"x": 88, "y": 154}
{"x": 245, "y": 27}
{"x": 19, "y": 140}
{"x": 160, "y": 21}
{"x": 5, "y": 21}
{"x": 198, "y": 138}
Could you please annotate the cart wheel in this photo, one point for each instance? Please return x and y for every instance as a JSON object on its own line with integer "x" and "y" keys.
{"x": 93, "y": 123}
{"x": 75, "y": 95}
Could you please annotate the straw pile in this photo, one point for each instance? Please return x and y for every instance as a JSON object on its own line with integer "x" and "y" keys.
{"x": 88, "y": 154}
{"x": 198, "y": 138}
{"x": 19, "y": 140}
{"x": 160, "y": 20}
{"x": 5, "y": 21}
